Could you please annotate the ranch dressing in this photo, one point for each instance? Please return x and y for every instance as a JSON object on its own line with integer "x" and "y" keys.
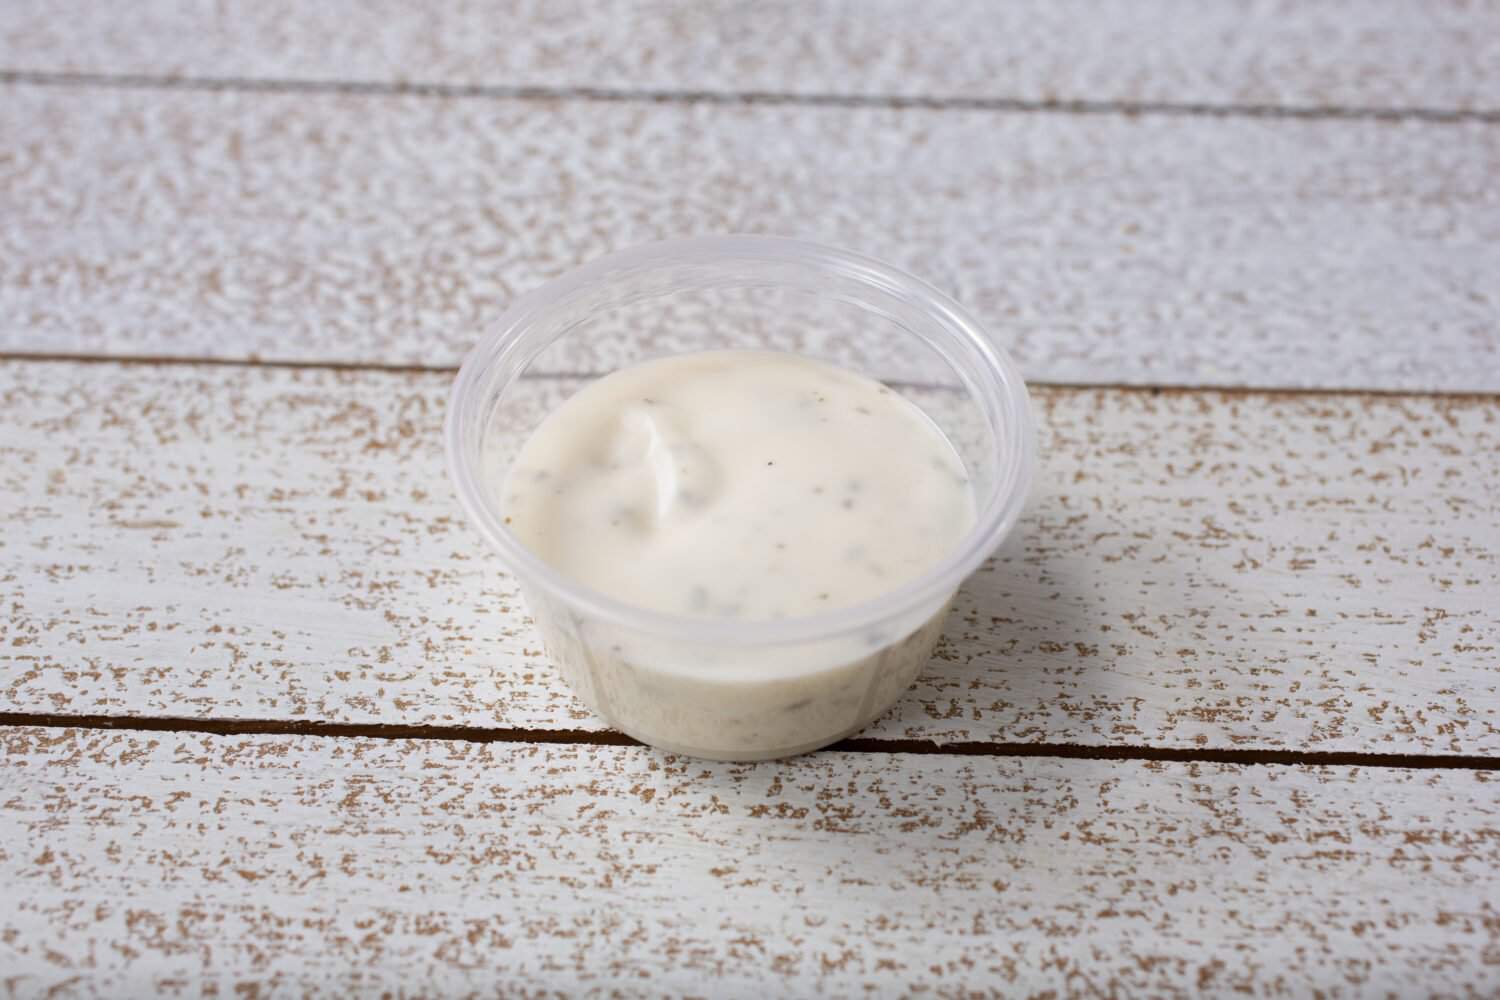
{"x": 750, "y": 486}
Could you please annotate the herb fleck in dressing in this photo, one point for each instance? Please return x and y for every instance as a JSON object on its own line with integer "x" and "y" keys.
{"x": 739, "y": 484}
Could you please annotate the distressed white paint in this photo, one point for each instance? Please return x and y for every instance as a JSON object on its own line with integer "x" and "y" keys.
{"x": 1099, "y": 248}
{"x": 143, "y": 864}
{"x": 1345, "y": 53}
{"x": 1196, "y": 569}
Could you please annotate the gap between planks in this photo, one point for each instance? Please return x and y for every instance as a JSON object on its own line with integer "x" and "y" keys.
{"x": 973, "y": 748}
{"x": 1176, "y": 389}
{"x": 743, "y": 98}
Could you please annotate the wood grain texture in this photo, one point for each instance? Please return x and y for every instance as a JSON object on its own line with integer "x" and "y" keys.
{"x": 1277, "y": 52}
{"x": 1100, "y": 249}
{"x": 1221, "y": 570}
{"x": 173, "y": 864}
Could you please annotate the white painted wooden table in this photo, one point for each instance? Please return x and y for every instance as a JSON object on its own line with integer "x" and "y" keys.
{"x": 1223, "y": 716}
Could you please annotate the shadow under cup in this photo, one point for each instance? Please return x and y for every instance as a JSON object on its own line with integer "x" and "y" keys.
{"x": 727, "y": 689}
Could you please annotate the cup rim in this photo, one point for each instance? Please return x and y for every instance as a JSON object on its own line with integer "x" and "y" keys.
{"x": 993, "y": 521}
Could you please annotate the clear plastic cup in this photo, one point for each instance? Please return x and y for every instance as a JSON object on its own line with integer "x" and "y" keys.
{"x": 725, "y": 689}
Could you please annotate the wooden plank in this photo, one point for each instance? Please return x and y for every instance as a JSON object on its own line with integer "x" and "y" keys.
{"x": 1279, "y": 52}
{"x": 1196, "y": 569}
{"x": 1101, "y": 249}
{"x": 176, "y": 864}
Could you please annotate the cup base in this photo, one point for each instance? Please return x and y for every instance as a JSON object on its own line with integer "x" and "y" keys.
{"x": 751, "y": 756}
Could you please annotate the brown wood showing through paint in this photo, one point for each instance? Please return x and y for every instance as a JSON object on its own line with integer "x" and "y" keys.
{"x": 1222, "y": 717}
{"x": 1274, "y": 53}
{"x": 1196, "y": 570}
{"x": 307, "y": 227}
{"x": 152, "y": 862}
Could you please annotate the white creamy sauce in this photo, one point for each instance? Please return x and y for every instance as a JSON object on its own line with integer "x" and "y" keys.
{"x": 747, "y": 486}
{"x": 739, "y": 484}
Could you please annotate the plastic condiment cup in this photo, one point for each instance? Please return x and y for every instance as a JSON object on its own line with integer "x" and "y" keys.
{"x": 730, "y": 689}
